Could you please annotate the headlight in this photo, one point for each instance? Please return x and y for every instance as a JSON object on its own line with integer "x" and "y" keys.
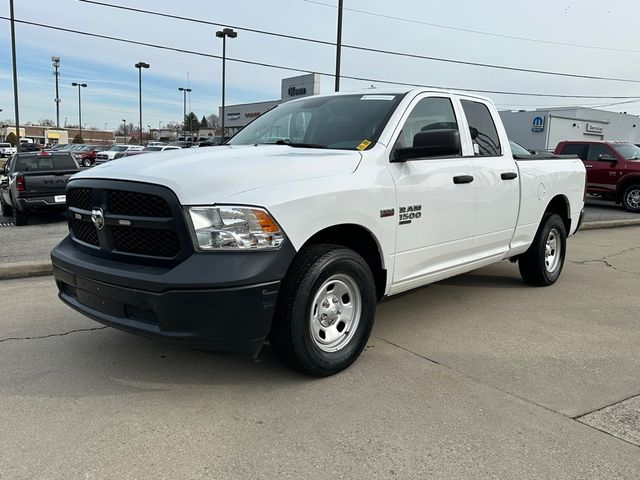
{"x": 229, "y": 227}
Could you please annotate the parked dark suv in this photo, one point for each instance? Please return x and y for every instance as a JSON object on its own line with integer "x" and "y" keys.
{"x": 613, "y": 170}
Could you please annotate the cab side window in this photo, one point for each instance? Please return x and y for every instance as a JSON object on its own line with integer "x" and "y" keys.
{"x": 484, "y": 134}
{"x": 595, "y": 150}
{"x": 433, "y": 113}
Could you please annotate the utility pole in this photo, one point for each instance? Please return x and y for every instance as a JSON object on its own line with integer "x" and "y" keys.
{"x": 224, "y": 33}
{"x": 55, "y": 61}
{"x": 339, "y": 45}
{"x": 184, "y": 108}
{"x": 15, "y": 73}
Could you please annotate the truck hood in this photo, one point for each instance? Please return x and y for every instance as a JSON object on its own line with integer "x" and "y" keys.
{"x": 210, "y": 174}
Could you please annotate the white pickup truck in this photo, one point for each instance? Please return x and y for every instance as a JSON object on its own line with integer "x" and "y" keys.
{"x": 315, "y": 211}
{"x": 6, "y": 150}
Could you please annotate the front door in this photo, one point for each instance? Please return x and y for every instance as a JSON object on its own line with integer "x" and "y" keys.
{"x": 435, "y": 206}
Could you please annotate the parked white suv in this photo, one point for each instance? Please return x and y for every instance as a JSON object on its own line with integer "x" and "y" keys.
{"x": 116, "y": 151}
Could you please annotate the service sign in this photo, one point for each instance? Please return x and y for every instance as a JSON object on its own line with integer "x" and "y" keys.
{"x": 537, "y": 125}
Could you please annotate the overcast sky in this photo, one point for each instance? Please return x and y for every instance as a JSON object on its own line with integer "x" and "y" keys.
{"x": 108, "y": 66}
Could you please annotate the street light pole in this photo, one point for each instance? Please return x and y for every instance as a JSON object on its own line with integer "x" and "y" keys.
{"x": 224, "y": 33}
{"x": 124, "y": 130}
{"x": 55, "y": 61}
{"x": 184, "y": 108}
{"x": 140, "y": 66}
{"x": 79, "y": 85}
{"x": 15, "y": 73}
{"x": 339, "y": 45}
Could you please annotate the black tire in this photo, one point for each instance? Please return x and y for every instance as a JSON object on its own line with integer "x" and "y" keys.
{"x": 293, "y": 338}
{"x": 20, "y": 218}
{"x": 631, "y": 198}
{"x": 535, "y": 267}
{"x": 6, "y": 210}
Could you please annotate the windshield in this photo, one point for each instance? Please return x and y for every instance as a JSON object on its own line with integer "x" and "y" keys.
{"x": 517, "y": 149}
{"x": 349, "y": 122}
{"x": 119, "y": 148}
{"x": 153, "y": 149}
{"x": 628, "y": 150}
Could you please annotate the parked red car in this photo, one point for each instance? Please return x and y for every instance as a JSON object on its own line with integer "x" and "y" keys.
{"x": 86, "y": 156}
{"x": 613, "y": 170}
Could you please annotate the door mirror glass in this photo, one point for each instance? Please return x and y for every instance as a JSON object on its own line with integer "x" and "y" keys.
{"x": 431, "y": 143}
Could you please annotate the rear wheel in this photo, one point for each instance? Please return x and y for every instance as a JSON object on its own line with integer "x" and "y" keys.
{"x": 325, "y": 312}
{"x": 542, "y": 263}
{"x": 631, "y": 198}
{"x": 20, "y": 218}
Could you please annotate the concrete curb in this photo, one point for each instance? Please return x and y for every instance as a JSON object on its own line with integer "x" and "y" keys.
{"x": 25, "y": 269}
{"x": 37, "y": 269}
{"x": 610, "y": 224}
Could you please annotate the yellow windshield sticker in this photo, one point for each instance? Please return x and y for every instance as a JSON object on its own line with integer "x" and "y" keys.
{"x": 364, "y": 144}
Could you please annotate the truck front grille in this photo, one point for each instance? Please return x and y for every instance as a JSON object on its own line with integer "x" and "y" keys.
{"x": 138, "y": 220}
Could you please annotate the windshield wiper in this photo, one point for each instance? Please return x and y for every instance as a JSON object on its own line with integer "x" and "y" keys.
{"x": 296, "y": 144}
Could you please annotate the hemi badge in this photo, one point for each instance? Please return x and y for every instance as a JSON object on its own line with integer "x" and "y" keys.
{"x": 78, "y": 216}
{"x": 387, "y": 212}
{"x": 124, "y": 222}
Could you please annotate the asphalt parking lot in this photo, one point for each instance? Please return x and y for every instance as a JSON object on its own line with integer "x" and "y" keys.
{"x": 479, "y": 376}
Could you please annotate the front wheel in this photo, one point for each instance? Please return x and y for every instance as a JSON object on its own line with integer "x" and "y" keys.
{"x": 325, "y": 311}
{"x": 631, "y": 198}
{"x": 542, "y": 263}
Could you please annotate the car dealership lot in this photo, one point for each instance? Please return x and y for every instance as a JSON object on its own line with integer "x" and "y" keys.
{"x": 479, "y": 376}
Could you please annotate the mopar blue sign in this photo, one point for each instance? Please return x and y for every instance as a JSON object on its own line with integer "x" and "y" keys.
{"x": 538, "y": 124}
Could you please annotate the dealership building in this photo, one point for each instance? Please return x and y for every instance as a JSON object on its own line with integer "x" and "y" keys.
{"x": 238, "y": 116}
{"x": 544, "y": 129}
{"x": 48, "y": 135}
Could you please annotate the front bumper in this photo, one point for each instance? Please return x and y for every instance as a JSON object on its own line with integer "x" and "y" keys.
{"x": 210, "y": 301}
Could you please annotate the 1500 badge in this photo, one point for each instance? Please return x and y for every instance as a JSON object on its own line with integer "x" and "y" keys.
{"x": 409, "y": 213}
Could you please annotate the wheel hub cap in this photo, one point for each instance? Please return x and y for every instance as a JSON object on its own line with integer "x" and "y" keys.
{"x": 335, "y": 313}
{"x": 552, "y": 251}
{"x": 633, "y": 198}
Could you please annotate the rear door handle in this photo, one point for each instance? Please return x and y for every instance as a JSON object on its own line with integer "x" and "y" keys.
{"x": 508, "y": 175}
{"x": 462, "y": 179}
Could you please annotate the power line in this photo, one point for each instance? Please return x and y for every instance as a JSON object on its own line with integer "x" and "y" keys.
{"x": 478, "y": 32}
{"x": 301, "y": 70}
{"x": 569, "y": 107}
{"x": 364, "y": 49}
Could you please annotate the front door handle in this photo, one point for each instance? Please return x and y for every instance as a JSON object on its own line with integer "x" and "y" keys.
{"x": 462, "y": 179}
{"x": 508, "y": 175}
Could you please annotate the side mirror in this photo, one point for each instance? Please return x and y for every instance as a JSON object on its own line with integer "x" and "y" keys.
{"x": 606, "y": 157}
{"x": 431, "y": 143}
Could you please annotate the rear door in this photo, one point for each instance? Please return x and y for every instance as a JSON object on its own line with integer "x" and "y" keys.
{"x": 435, "y": 215}
{"x": 496, "y": 180}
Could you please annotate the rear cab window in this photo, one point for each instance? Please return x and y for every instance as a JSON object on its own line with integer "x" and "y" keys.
{"x": 44, "y": 163}
{"x": 579, "y": 149}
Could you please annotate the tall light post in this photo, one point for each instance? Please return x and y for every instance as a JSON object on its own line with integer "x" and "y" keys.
{"x": 224, "y": 33}
{"x": 105, "y": 126}
{"x": 15, "y": 72}
{"x": 338, "y": 45}
{"x": 140, "y": 66}
{"x": 80, "y": 86}
{"x": 124, "y": 130}
{"x": 184, "y": 107}
{"x": 55, "y": 62}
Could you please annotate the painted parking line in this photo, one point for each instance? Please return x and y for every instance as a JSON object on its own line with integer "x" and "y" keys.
{"x": 6, "y": 224}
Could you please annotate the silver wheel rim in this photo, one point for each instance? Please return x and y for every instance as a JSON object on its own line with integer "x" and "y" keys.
{"x": 552, "y": 251}
{"x": 633, "y": 198}
{"x": 335, "y": 313}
